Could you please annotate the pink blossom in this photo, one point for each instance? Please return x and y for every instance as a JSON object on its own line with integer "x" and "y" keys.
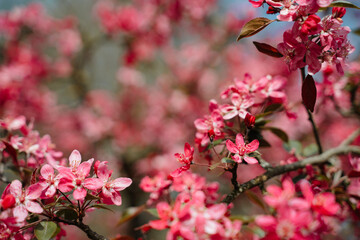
{"x": 75, "y": 177}
{"x": 111, "y": 188}
{"x": 242, "y": 150}
{"x": 239, "y": 106}
{"x": 25, "y": 200}
{"x": 185, "y": 158}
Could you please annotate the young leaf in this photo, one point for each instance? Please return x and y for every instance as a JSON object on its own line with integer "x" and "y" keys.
{"x": 342, "y": 3}
{"x": 45, "y": 230}
{"x": 278, "y": 132}
{"x": 67, "y": 213}
{"x": 102, "y": 206}
{"x": 267, "y": 49}
{"x": 227, "y": 160}
{"x": 308, "y": 92}
{"x": 254, "y": 26}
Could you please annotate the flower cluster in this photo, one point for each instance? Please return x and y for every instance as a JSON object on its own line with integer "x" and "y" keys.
{"x": 245, "y": 96}
{"x": 309, "y": 216}
{"x": 194, "y": 214}
{"x": 54, "y": 186}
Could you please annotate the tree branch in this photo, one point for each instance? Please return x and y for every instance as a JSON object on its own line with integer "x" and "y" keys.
{"x": 276, "y": 171}
{"x": 85, "y": 228}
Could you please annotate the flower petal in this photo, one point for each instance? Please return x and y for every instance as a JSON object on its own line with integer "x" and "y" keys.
{"x": 120, "y": 183}
{"x": 250, "y": 160}
{"x": 75, "y": 159}
{"x": 231, "y": 146}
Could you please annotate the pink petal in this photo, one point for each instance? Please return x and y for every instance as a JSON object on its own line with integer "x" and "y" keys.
{"x": 217, "y": 211}
{"x": 231, "y": 146}
{"x": 250, "y": 160}
{"x": 65, "y": 185}
{"x": 79, "y": 193}
{"x": 75, "y": 159}
{"x": 103, "y": 172}
{"x": 116, "y": 198}
{"x": 120, "y": 183}
{"x": 93, "y": 183}
{"x": 47, "y": 171}
{"x": 201, "y": 125}
{"x": 15, "y": 188}
{"x": 158, "y": 224}
{"x": 33, "y": 207}
{"x": 237, "y": 158}
{"x": 306, "y": 190}
{"x": 84, "y": 168}
{"x": 50, "y": 191}
{"x": 230, "y": 114}
{"x": 34, "y": 191}
{"x": 240, "y": 140}
{"x": 253, "y": 146}
{"x": 188, "y": 150}
{"x": 20, "y": 213}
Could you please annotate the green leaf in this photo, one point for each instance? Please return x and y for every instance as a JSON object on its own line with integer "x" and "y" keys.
{"x": 153, "y": 211}
{"x": 130, "y": 213}
{"x": 273, "y": 107}
{"x": 213, "y": 166}
{"x": 264, "y": 143}
{"x": 342, "y": 3}
{"x": 293, "y": 145}
{"x": 278, "y": 132}
{"x": 102, "y": 206}
{"x": 227, "y": 160}
{"x": 67, "y": 213}
{"x": 89, "y": 196}
{"x": 214, "y": 143}
{"x": 254, "y": 26}
{"x": 310, "y": 150}
{"x": 255, "y": 199}
{"x": 45, "y": 230}
{"x": 356, "y": 31}
{"x": 268, "y": 50}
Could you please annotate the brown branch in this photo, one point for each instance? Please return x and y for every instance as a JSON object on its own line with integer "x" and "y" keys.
{"x": 85, "y": 228}
{"x": 276, "y": 171}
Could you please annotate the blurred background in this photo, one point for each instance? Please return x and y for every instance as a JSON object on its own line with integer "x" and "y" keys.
{"x": 124, "y": 81}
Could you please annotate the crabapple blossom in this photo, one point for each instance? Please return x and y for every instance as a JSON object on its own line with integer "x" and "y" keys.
{"x": 110, "y": 188}
{"x": 25, "y": 200}
{"x": 242, "y": 150}
{"x": 184, "y": 158}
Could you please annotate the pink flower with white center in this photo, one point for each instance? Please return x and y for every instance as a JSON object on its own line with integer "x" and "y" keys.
{"x": 244, "y": 87}
{"x": 239, "y": 107}
{"x": 111, "y": 188}
{"x": 274, "y": 87}
{"x": 213, "y": 122}
{"x": 25, "y": 199}
{"x": 185, "y": 158}
{"x": 49, "y": 182}
{"x": 241, "y": 149}
{"x": 75, "y": 177}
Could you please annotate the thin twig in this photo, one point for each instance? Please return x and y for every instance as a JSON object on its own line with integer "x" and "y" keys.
{"x": 276, "y": 171}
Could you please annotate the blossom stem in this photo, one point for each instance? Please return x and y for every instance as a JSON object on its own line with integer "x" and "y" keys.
{"x": 311, "y": 119}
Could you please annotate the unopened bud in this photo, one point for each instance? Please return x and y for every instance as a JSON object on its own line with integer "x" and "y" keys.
{"x": 211, "y": 134}
{"x": 249, "y": 120}
{"x": 338, "y": 12}
{"x": 8, "y": 201}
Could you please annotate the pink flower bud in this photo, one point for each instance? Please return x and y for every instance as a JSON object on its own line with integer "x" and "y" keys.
{"x": 249, "y": 120}
{"x": 211, "y": 134}
{"x": 338, "y": 12}
{"x": 8, "y": 201}
{"x": 310, "y": 25}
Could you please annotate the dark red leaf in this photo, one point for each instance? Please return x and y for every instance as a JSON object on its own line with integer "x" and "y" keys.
{"x": 253, "y": 27}
{"x": 308, "y": 93}
{"x": 267, "y": 49}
